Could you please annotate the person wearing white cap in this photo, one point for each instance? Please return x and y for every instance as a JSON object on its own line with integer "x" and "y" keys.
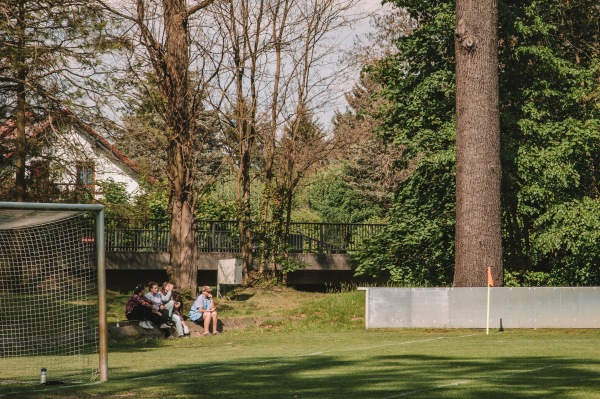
{"x": 204, "y": 312}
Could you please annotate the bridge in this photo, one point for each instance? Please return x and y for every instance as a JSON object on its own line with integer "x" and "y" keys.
{"x": 152, "y": 235}
{"x": 136, "y": 247}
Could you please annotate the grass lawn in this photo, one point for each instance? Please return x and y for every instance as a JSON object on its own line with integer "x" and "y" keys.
{"x": 323, "y": 351}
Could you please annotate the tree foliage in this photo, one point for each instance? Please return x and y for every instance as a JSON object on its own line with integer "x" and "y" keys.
{"x": 50, "y": 58}
{"x": 52, "y": 48}
{"x": 369, "y": 162}
{"x": 336, "y": 201}
{"x": 548, "y": 71}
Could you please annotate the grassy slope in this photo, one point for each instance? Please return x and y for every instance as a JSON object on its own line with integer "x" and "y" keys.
{"x": 287, "y": 308}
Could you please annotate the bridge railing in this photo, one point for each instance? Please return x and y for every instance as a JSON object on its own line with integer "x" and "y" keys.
{"x": 152, "y": 235}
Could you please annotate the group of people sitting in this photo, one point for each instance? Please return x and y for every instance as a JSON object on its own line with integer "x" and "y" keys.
{"x": 163, "y": 308}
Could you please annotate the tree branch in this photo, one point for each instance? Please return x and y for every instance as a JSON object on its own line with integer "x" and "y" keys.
{"x": 199, "y": 7}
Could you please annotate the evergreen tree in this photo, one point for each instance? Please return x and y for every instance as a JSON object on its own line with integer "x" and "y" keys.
{"x": 478, "y": 171}
{"x": 49, "y": 59}
{"x": 548, "y": 79}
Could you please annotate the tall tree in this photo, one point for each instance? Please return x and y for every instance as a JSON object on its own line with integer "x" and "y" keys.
{"x": 242, "y": 25}
{"x": 548, "y": 67}
{"x": 478, "y": 169}
{"x": 277, "y": 54}
{"x": 163, "y": 30}
{"x": 49, "y": 59}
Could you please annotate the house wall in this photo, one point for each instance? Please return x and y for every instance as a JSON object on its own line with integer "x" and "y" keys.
{"x": 78, "y": 146}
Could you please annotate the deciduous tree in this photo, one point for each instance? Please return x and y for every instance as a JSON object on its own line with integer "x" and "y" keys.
{"x": 163, "y": 30}
{"x": 277, "y": 55}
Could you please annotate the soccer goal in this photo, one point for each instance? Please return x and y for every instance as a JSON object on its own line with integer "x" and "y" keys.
{"x": 52, "y": 293}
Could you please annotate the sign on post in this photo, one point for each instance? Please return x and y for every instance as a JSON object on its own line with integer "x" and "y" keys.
{"x": 229, "y": 272}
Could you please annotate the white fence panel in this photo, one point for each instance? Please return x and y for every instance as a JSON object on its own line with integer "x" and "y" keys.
{"x": 546, "y": 307}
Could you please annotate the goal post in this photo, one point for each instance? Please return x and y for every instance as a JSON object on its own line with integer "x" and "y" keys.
{"x": 49, "y": 291}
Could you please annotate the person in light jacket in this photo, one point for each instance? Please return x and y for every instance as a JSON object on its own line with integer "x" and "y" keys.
{"x": 204, "y": 311}
{"x": 173, "y": 303}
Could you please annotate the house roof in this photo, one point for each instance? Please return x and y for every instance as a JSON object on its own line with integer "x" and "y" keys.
{"x": 8, "y": 131}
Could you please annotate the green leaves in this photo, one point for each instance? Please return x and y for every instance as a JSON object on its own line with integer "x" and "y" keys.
{"x": 335, "y": 201}
{"x": 567, "y": 240}
{"x": 550, "y": 123}
{"x": 417, "y": 248}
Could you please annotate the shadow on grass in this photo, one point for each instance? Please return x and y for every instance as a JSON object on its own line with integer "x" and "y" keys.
{"x": 136, "y": 344}
{"x": 370, "y": 377}
{"x": 240, "y": 297}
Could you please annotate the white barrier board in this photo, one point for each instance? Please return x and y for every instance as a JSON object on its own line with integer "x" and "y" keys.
{"x": 547, "y": 307}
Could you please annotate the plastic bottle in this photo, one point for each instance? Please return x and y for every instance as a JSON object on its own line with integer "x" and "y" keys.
{"x": 43, "y": 377}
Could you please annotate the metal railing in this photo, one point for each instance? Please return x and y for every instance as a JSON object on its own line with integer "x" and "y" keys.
{"x": 136, "y": 235}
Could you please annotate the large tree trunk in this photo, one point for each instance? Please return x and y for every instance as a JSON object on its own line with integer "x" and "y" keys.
{"x": 21, "y": 145}
{"x": 478, "y": 169}
{"x": 182, "y": 246}
{"x": 245, "y": 221}
{"x": 21, "y": 141}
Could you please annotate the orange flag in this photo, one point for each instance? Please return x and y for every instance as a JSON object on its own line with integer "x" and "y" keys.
{"x": 489, "y": 275}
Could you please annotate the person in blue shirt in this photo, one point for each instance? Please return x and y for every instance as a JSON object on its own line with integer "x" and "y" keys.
{"x": 204, "y": 311}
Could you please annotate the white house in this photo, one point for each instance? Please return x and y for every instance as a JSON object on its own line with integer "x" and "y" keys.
{"x": 70, "y": 155}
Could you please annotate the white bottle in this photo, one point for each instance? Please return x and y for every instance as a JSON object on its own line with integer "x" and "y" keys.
{"x": 43, "y": 377}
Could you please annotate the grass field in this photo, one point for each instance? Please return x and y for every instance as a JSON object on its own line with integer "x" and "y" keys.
{"x": 323, "y": 351}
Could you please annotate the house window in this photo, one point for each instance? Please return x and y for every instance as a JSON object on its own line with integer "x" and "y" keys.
{"x": 86, "y": 174}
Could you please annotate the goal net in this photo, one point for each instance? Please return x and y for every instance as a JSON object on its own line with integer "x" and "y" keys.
{"x": 49, "y": 295}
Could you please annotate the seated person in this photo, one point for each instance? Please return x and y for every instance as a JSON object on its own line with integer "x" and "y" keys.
{"x": 154, "y": 296}
{"x": 165, "y": 294}
{"x": 140, "y": 308}
{"x": 178, "y": 308}
{"x": 204, "y": 312}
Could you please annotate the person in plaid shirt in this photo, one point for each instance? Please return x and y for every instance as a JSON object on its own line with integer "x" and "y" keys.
{"x": 138, "y": 307}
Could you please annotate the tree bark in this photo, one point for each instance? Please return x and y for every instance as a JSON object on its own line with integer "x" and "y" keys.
{"x": 182, "y": 245}
{"x": 169, "y": 55}
{"x": 21, "y": 139}
{"x": 478, "y": 169}
{"x": 175, "y": 88}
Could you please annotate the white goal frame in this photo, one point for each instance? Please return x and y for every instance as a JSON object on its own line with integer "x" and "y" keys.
{"x": 98, "y": 211}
